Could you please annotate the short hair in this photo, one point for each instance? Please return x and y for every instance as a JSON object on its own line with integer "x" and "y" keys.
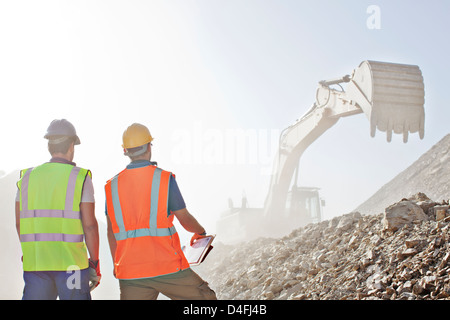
{"x": 134, "y": 153}
{"x": 61, "y": 147}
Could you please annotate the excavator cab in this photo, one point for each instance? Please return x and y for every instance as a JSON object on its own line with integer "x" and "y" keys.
{"x": 303, "y": 206}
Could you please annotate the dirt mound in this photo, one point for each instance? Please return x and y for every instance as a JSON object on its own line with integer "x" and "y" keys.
{"x": 401, "y": 254}
{"x": 396, "y": 249}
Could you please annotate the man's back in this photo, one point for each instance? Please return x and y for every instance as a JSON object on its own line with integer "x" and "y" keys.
{"x": 147, "y": 242}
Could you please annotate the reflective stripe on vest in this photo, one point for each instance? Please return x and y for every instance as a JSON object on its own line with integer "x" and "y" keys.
{"x": 51, "y": 237}
{"x": 51, "y": 231}
{"x": 152, "y": 230}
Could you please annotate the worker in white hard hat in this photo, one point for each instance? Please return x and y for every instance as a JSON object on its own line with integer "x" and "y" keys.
{"x": 141, "y": 203}
{"x": 56, "y": 224}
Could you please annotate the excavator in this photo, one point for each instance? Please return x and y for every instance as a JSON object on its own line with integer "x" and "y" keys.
{"x": 392, "y": 97}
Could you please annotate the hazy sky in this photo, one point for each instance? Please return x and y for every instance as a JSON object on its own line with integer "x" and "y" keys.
{"x": 202, "y": 75}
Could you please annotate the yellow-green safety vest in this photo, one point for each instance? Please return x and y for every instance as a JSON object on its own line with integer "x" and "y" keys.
{"x": 51, "y": 232}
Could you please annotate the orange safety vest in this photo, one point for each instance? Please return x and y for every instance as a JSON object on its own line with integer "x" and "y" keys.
{"x": 148, "y": 244}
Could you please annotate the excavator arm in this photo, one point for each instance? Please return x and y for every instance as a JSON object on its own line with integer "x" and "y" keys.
{"x": 390, "y": 95}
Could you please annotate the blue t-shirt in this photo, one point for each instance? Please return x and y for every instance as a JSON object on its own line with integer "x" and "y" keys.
{"x": 176, "y": 201}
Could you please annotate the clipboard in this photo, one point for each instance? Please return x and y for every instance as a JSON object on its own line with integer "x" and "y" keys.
{"x": 197, "y": 253}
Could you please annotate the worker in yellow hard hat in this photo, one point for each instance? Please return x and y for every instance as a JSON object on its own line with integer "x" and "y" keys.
{"x": 56, "y": 224}
{"x": 141, "y": 203}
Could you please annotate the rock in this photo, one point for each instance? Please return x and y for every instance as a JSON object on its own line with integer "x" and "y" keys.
{"x": 444, "y": 294}
{"x": 300, "y": 296}
{"x": 390, "y": 291}
{"x": 411, "y": 243}
{"x": 401, "y": 213}
{"x": 428, "y": 282}
{"x": 420, "y": 196}
{"x": 407, "y": 296}
{"x": 427, "y": 207}
{"x": 269, "y": 295}
{"x": 347, "y": 220}
{"x": 444, "y": 260}
{"x": 440, "y": 212}
{"x": 405, "y": 287}
{"x": 418, "y": 289}
{"x": 409, "y": 252}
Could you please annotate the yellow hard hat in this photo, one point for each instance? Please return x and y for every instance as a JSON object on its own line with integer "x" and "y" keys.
{"x": 136, "y": 135}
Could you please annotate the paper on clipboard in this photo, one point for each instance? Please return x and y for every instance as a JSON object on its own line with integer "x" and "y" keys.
{"x": 197, "y": 253}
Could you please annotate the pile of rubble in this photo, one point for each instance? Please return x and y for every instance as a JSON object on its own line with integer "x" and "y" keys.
{"x": 403, "y": 253}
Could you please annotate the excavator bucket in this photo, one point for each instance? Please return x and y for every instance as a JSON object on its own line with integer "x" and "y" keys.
{"x": 391, "y": 95}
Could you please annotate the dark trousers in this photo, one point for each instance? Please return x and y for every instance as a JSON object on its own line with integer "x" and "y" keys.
{"x": 183, "y": 285}
{"x": 48, "y": 285}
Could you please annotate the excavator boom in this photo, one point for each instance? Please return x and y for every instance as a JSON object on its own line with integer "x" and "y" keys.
{"x": 392, "y": 98}
{"x": 390, "y": 95}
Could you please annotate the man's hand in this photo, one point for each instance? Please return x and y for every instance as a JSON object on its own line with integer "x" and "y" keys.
{"x": 94, "y": 274}
{"x": 197, "y": 236}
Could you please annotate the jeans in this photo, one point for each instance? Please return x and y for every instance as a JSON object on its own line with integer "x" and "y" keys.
{"x": 48, "y": 285}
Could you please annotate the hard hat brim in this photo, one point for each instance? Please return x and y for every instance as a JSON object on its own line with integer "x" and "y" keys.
{"x": 131, "y": 146}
